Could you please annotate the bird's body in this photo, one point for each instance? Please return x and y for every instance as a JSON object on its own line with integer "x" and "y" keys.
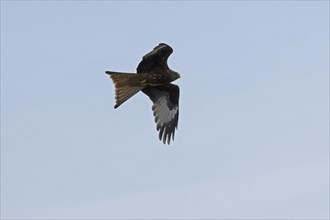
{"x": 154, "y": 79}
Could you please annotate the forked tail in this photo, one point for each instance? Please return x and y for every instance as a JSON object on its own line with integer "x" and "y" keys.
{"x": 126, "y": 85}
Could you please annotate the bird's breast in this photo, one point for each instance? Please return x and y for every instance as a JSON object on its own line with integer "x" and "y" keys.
{"x": 155, "y": 79}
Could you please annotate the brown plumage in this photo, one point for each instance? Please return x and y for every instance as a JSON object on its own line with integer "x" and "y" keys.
{"x": 154, "y": 79}
{"x": 126, "y": 85}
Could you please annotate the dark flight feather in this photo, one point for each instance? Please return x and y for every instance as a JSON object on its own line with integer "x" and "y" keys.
{"x": 165, "y": 100}
{"x": 156, "y": 59}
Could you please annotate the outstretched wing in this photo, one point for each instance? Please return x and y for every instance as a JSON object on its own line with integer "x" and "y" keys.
{"x": 156, "y": 59}
{"x": 165, "y": 107}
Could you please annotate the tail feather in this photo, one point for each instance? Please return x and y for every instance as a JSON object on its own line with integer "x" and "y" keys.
{"x": 126, "y": 85}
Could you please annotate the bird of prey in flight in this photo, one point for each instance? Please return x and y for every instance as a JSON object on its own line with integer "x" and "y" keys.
{"x": 154, "y": 79}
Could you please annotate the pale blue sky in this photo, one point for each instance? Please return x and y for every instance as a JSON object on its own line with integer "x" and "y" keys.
{"x": 253, "y": 136}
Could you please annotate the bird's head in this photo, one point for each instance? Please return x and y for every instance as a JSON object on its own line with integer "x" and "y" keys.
{"x": 175, "y": 75}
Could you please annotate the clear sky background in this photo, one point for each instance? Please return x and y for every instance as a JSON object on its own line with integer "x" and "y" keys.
{"x": 253, "y": 137}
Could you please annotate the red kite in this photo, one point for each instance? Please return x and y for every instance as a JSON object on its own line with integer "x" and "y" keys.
{"x": 154, "y": 79}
